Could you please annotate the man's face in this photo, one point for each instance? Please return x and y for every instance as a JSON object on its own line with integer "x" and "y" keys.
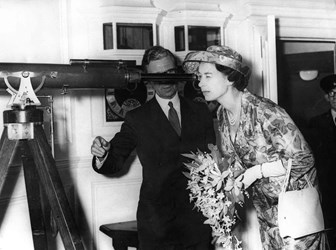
{"x": 331, "y": 98}
{"x": 164, "y": 89}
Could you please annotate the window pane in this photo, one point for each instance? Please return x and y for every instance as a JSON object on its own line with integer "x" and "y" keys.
{"x": 134, "y": 36}
{"x": 201, "y": 37}
{"x": 108, "y": 36}
{"x": 179, "y": 38}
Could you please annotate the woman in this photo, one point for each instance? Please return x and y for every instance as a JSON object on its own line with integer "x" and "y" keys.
{"x": 259, "y": 134}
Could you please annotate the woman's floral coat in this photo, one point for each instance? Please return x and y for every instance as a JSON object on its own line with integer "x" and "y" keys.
{"x": 266, "y": 133}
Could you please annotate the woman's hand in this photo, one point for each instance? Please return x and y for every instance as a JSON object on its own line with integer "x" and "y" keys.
{"x": 249, "y": 176}
{"x": 268, "y": 169}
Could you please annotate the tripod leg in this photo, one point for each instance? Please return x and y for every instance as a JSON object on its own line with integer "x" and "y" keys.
{"x": 7, "y": 151}
{"x": 34, "y": 198}
{"x": 50, "y": 179}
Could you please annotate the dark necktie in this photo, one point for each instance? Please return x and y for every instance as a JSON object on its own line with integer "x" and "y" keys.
{"x": 173, "y": 118}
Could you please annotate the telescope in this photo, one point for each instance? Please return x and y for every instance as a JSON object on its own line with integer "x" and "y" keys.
{"x": 23, "y": 80}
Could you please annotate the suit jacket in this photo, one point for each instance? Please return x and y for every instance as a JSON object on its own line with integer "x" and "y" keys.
{"x": 323, "y": 144}
{"x": 323, "y": 130}
{"x": 165, "y": 213}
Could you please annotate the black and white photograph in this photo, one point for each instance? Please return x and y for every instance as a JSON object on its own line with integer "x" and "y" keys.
{"x": 167, "y": 124}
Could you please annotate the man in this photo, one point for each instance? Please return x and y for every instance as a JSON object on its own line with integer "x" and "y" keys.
{"x": 324, "y": 148}
{"x": 166, "y": 218}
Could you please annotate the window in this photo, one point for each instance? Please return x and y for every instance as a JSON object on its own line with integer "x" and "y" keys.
{"x": 108, "y": 36}
{"x": 129, "y": 36}
{"x": 134, "y": 36}
{"x": 199, "y": 37}
{"x": 179, "y": 38}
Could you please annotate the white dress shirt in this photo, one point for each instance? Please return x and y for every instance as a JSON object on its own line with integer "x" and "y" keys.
{"x": 333, "y": 113}
{"x": 165, "y": 107}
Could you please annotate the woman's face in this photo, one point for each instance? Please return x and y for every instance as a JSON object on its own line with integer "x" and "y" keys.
{"x": 213, "y": 83}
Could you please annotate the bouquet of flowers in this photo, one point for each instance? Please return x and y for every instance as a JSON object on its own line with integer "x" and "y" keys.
{"x": 215, "y": 193}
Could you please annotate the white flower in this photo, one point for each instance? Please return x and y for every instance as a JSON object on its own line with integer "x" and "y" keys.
{"x": 214, "y": 193}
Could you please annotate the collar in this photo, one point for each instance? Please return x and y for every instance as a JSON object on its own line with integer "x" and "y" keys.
{"x": 333, "y": 114}
{"x": 164, "y": 102}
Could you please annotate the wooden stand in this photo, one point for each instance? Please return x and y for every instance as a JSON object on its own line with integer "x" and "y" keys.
{"x": 123, "y": 234}
{"x": 40, "y": 173}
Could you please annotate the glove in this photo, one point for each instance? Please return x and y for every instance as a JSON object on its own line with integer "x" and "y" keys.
{"x": 272, "y": 169}
{"x": 249, "y": 176}
{"x": 268, "y": 169}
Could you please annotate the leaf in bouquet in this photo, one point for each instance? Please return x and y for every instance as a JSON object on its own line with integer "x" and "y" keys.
{"x": 225, "y": 174}
{"x": 229, "y": 195}
{"x": 199, "y": 152}
{"x": 238, "y": 216}
{"x": 214, "y": 179}
{"x": 208, "y": 221}
{"x": 239, "y": 198}
{"x": 219, "y": 185}
{"x": 225, "y": 210}
{"x": 238, "y": 186}
{"x": 238, "y": 172}
{"x": 186, "y": 174}
{"x": 190, "y": 165}
{"x": 229, "y": 184}
{"x": 234, "y": 196}
{"x": 232, "y": 209}
{"x": 221, "y": 179}
{"x": 230, "y": 160}
{"x": 223, "y": 165}
{"x": 214, "y": 170}
{"x": 192, "y": 156}
{"x": 211, "y": 146}
{"x": 216, "y": 155}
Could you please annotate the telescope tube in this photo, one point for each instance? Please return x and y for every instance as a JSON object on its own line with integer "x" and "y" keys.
{"x": 80, "y": 75}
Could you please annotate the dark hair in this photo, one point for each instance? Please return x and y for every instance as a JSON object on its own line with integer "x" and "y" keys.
{"x": 155, "y": 53}
{"x": 240, "y": 81}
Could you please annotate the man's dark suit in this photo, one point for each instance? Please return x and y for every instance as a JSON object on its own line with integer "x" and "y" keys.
{"x": 164, "y": 210}
{"x": 323, "y": 144}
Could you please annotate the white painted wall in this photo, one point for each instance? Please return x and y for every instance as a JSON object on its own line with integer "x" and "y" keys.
{"x": 54, "y": 31}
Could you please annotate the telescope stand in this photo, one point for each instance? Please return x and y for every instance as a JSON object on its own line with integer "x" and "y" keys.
{"x": 40, "y": 174}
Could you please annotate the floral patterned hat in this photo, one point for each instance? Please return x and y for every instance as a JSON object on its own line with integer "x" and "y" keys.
{"x": 222, "y": 55}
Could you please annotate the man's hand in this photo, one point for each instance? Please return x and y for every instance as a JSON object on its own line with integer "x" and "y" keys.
{"x": 100, "y": 147}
